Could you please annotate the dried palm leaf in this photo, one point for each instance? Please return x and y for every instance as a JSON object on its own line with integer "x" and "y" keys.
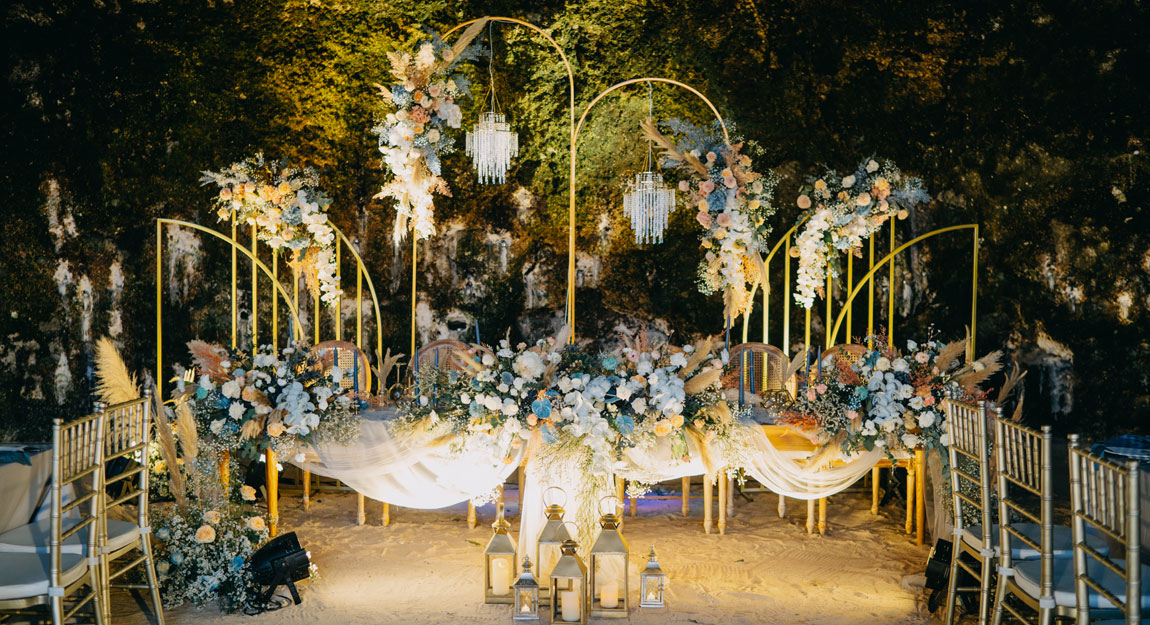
{"x": 949, "y": 354}
{"x": 252, "y": 428}
{"x": 670, "y": 150}
{"x": 466, "y": 38}
{"x": 1012, "y": 379}
{"x": 701, "y": 354}
{"x": 168, "y": 453}
{"x": 186, "y": 431}
{"x": 466, "y": 361}
{"x": 387, "y": 363}
{"x": 980, "y": 370}
{"x": 209, "y": 359}
{"x": 796, "y": 365}
{"x": 116, "y": 384}
{"x": 1017, "y": 415}
{"x": 700, "y": 382}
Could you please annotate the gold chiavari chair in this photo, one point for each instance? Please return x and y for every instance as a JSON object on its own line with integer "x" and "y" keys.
{"x": 1104, "y": 496}
{"x": 969, "y": 469}
{"x": 66, "y": 567}
{"x": 125, "y": 545}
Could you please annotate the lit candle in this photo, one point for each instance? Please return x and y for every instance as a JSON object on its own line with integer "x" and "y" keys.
{"x": 609, "y": 596}
{"x": 569, "y": 603}
{"x": 525, "y": 601}
{"x": 500, "y": 577}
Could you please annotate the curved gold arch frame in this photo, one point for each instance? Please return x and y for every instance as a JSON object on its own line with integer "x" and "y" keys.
{"x": 574, "y": 154}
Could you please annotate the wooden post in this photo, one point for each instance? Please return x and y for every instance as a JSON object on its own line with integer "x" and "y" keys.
{"x": 731, "y": 496}
{"x": 306, "y": 490}
{"x": 874, "y": 477}
{"x": 811, "y": 516}
{"x": 687, "y": 496}
{"x": 273, "y": 482}
{"x": 782, "y": 506}
{"x": 911, "y": 477}
{"x": 822, "y": 516}
{"x": 471, "y": 519}
{"x": 707, "y": 491}
{"x": 723, "y": 503}
{"x": 360, "y": 513}
{"x": 920, "y": 497}
{"x": 386, "y": 513}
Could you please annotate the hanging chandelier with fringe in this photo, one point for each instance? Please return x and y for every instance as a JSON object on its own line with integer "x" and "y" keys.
{"x": 491, "y": 143}
{"x": 648, "y": 201}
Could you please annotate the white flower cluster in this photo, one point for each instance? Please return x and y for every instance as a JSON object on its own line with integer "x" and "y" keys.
{"x": 893, "y": 404}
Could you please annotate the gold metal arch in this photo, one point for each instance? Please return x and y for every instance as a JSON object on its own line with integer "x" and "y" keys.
{"x": 570, "y": 135}
{"x": 574, "y": 152}
{"x": 890, "y": 258}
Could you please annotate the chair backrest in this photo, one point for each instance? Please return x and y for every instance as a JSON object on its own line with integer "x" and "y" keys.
{"x": 761, "y": 367}
{"x": 969, "y": 463}
{"x": 1105, "y": 495}
{"x": 851, "y": 352}
{"x": 1025, "y": 472}
{"x": 441, "y": 354}
{"x": 127, "y": 435}
{"x": 350, "y": 359}
{"x": 77, "y": 457}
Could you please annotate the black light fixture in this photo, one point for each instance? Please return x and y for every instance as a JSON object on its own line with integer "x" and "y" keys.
{"x": 281, "y": 562}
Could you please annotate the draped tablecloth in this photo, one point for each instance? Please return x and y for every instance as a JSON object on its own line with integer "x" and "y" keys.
{"x": 23, "y": 487}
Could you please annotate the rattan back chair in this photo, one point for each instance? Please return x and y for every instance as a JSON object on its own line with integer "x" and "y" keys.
{"x": 969, "y": 471}
{"x": 125, "y": 545}
{"x": 1105, "y": 496}
{"x": 1025, "y": 473}
{"x": 351, "y": 360}
{"x": 64, "y": 581}
{"x": 441, "y": 354}
{"x": 760, "y": 367}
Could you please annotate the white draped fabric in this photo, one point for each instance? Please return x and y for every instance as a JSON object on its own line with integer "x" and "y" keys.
{"x": 420, "y": 470}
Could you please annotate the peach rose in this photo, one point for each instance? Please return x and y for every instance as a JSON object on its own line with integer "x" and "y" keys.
{"x": 662, "y": 427}
{"x": 804, "y": 201}
{"x": 704, "y": 219}
{"x": 677, "y": 421}
{"x": 275, "y": 429}
{"x": 212, "y": 516}
{"x": 206, "y": 534}
{"x": 247, "y": 493}
{"x": 706, "y": 186}
{"x": 684, "y": 185}
{"x": 724, "y": 220}
{"x": 256, "y": 523}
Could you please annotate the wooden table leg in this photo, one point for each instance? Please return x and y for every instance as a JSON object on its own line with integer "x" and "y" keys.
{"x": 707, "y": 491}
{"x": 687, "y": 496}
{"x": 911, "y": 478}
{"x": 306, "y": 490}
{"x": 822, "y": 516}
{"x": 782, "y": 506}
{"x": 471, "y": 520}
{"x": 360, "y": 515}
{"x": 731, "y": 497}
{"x": 874, "y": 479}
{"x": 386, "y": 513}
{"x": 810, "y": 516}
{"x": 920, "y": 497}
{"x": 723, "y": 488}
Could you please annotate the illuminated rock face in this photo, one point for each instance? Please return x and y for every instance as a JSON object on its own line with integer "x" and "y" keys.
{"x": 1027, "y": 122}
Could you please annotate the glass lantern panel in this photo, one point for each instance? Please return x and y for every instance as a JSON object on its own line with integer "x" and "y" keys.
{"x": 610, "y": 579}
{"x": 548, "y": 556}
{"x": 569, "y": 604}
{"x": 502, "y": 575}
{"x": 526, "y": 602}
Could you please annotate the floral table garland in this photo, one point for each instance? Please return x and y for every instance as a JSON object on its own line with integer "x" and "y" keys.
{"x": 733, "y": 204}
{"x": 288, "y": 210}
{"x": 841, "y": 212}
{"x": 886, "y": 399}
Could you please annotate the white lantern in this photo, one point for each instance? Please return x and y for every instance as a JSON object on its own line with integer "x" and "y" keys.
{"x": 548, "y": 549}
{"x": 608, "y": 571}
{"x": 652, "y": 584}
{"x": 526, "y": 591}
{"x": 568, "y": 587}
{"x": 499, "y": 563}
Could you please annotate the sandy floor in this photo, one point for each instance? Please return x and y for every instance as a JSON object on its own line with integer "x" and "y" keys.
{"x": 427, "y": 567}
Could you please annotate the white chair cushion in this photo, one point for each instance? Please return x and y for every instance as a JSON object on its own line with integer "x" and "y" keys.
{"x": 1063, "y": 540}
{"x": 34, "y": 537}
{"x": 1028, "y": 575}
{"x": 24, "y": 575}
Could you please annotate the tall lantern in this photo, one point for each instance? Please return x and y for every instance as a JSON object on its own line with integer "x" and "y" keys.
{"x": 550, "y": 543}
{"x": 652, "y": 584}
{"x": 492, "y": 144}
{"x": 607, "y": 564}
{"x": 568, "y": 587}
{"x": 499, "y": 563}
{"x": 526, "y": 591}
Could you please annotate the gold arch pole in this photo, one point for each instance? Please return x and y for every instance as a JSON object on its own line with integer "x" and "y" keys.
{"x": 889, "y": 258}
{"x": 571, "y": 182}
{"x": 574, "y": 153}
{"x": 765, "y": 282}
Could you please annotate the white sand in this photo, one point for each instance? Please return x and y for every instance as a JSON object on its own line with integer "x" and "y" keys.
{"x": 427, "y": 567}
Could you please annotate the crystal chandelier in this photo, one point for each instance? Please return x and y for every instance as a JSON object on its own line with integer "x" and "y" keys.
{"x": 648, "y": 201}
{"x": 491, "y": 143}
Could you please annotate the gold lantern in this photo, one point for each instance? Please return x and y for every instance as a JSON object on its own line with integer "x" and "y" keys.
{"x": 607, "y": 564}
{"x": 499, "y": 563}
{"x": 652, "y": 584}
{"x": 568, "y": 587}
{"x": 550, "y": 543}
{"x": 526, "y": 591}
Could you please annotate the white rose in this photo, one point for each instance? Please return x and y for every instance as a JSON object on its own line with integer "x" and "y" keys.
{"x": 488, "y": 360}
{"x": 502, "y": 388}
{"x": 900, "y": 365}
{"x": 639, "y": 405}
{"x": 216, "y": 426}
{"x": 882, "y": 364}
{"x": 465, "y": 399}
{"x": 926, "y": 419}
{"x": 623, "y": 393}
{"x": 236, "y": 410}
{"x": 231, "y": 389}
{"x": 529, "y": 365}
{"x": 848, "y": 182}
{"x": 872, "y": 166}
{"x": 510, "y": 408}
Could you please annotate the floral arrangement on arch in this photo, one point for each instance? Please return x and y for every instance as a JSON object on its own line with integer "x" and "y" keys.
{"x": 249, "y": 402}
{"x": 841, "y": 212}
{"x": 886, "y": 399}
{"x": 414, "y": 137}
{"x": 733, "y": 205}
{"x": 604, "y": 404}
{"x": 288, "y": 210}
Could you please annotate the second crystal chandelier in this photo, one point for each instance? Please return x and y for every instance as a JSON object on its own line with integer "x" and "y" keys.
{"x": 648, "y": 201}
{"x": 492, "y": 144}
